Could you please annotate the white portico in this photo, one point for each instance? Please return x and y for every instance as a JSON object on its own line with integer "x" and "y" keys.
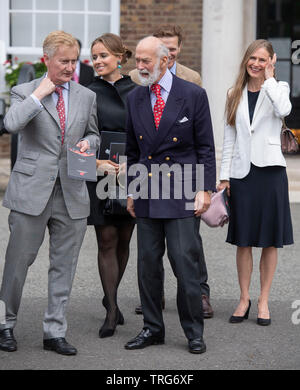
{"x": 229, "y": 26}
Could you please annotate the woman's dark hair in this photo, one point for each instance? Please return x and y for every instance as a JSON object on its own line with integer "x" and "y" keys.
{"x": 114, "y": 45}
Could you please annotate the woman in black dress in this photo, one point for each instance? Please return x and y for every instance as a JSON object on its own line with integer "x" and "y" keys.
{"x": 113, "y": 232}
{"x": 253, "y": 169}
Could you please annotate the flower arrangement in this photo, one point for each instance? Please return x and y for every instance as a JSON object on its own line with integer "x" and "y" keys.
{"x": 12, "y": 71}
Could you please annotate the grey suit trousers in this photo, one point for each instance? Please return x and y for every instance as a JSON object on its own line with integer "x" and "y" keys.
{"x": 26, "y": 236}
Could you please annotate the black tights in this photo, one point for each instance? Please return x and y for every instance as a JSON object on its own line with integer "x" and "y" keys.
{"x": 113, "y": 253}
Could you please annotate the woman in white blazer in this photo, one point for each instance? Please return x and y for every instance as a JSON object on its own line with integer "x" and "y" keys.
{"x": 253, "y": 170}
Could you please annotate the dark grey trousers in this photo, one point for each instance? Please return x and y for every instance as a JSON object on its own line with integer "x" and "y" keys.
{"x": 184, "y": 248}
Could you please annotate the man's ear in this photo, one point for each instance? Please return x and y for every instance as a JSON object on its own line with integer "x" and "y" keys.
{"x": 165, "y": 60}
{"x": 46, "y": 59}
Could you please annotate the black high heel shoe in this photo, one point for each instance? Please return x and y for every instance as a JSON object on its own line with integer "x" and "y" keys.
{"x": 238, "y": 319}
{"x": 263, "y": 321}
{"x": 121, "y": 319}
{"x": 106, "y": 330}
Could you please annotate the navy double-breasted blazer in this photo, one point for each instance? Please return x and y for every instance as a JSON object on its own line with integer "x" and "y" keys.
{"x": 184, "y": 136}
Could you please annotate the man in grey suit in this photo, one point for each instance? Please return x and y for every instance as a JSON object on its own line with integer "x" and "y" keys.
{"x": 48, "y": 114}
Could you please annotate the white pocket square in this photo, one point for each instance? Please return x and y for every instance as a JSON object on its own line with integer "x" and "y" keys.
{"x": 184, "y": 119}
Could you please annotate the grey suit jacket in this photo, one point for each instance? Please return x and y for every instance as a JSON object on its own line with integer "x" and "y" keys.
{"x": 41, "y": 156}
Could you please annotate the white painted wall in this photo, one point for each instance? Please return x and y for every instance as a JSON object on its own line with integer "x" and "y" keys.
{"x": 227, "y": 31}
{"x": 3, "y": 87}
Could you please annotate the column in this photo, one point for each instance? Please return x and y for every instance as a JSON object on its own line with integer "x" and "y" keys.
{"x": 228, "y": 28}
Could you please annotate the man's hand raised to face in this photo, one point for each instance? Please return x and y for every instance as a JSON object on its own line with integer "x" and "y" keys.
{"x": 45, "y": 88}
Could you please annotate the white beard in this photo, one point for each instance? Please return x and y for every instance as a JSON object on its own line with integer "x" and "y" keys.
{"x": 146, "y": 81}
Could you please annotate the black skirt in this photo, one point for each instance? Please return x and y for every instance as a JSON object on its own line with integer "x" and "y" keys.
{"x": 260, "y": 210}
{"x": 97, "y": 217}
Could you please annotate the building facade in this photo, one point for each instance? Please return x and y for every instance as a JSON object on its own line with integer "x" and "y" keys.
{"x": 216, "y": 34}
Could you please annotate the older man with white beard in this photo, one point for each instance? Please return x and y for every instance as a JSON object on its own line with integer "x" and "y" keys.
{"x": 149, "y": 73}
{"x": 172, "y": 37}
{"x": 169, "y": 123}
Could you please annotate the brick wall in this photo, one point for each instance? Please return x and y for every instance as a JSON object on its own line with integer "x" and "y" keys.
{"x": 140, "y": 17}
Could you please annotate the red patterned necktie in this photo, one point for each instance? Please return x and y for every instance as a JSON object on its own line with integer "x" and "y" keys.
{"x": 159, "y": 104}
{"x": 60, "y": 106}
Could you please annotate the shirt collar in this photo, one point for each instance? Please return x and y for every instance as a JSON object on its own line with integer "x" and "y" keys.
{"x": 65, "y": 85}
{"x": 173, "y": 69}
{"x": 166, "y": 81}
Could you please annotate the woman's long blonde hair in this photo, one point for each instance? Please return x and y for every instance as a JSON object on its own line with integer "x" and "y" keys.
{"x": 235, "y": 93}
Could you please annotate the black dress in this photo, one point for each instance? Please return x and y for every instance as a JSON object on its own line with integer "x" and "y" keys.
{"x": 112, "y": 114}
{"x": 260, "y": 210}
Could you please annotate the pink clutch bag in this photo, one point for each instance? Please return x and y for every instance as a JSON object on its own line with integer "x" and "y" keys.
{"x": 218, "y": 212}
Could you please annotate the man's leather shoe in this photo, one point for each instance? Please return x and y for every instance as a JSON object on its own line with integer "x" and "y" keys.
{"x": 197, "y": 346}
{"x": 206, "y": 307}
{"x": 8, "y": 342}
{"x": 60, "y": 346}
{"x": 144, "y": 339}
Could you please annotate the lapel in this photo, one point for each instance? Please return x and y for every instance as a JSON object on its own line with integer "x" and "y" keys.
{"x": 145, "y": 112}
{"x": 48, "y": 103}
{"x": 179, "y": 72}
{"x": 170, "y": 113}
{"x": 169, "y": 116}
{"x": 260, "y": 99}
{"x": 74, "y": 98}
{"x": 74, "y": 101}
{"x": 245, "y": 108}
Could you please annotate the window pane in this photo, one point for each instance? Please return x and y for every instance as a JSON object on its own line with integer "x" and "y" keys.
{"x": 74, "y": 24}
{"x": 45, "y": 23}
{"x": 21, "y": 4}
{"x": 73, "y": 5}
{"x": 21, "y": 29}
{"x": 296, "y": 81}
{"x": 28, "y": 58}
{"x": 282, "y": 47}
{"x": 283, "y": 71}
{"x": 96, "y": 5}
{"x": 98, "y": 24}
{"x": 46, "y": 4}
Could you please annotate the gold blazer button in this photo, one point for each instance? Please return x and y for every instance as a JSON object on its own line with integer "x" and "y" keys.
{"x": 167, "y": 158}
{"x": 141, "y": 137}
{"x": 175, "y": 139}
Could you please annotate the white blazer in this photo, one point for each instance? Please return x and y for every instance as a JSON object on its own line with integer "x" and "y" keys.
{"x": 258, "y": 143}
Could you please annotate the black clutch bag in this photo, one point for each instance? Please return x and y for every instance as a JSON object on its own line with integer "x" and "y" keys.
{"x": 116, "y": 205}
